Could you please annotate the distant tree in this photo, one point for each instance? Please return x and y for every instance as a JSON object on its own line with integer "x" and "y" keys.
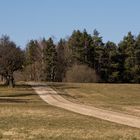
{"x": 49, "y": 59}
{"x": 111, "y": 63}
{"x": 33, "y": 60}
{"x": 79, "y": 42}
{"x": 61, "y": 60}
{"x": 96, "y": 54}
{"x": 137, "y": 61}
{"x": 127, "y": 51}
{"x": 11, "y": 59}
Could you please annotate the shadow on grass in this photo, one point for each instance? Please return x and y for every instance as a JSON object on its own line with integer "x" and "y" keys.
{"x": 58, "y": 87}
{"x": 16, "y": 86}
{"x": 15, "y": 95}
{"x": 2, "y": 86}
{"x": 14, "y": 100}
{"x": 57, "y": 94}
{"x": 22, "y": 86}
{"x": 19, "y": 95}
{"x": 62, "y": 86}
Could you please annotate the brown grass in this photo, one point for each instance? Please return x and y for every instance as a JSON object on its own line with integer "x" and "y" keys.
{"x": 24, "y": 116}
{"x": 119, "y": 97}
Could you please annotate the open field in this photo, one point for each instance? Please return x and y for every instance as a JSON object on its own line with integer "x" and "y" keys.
{"x": 23, "y": 115}
{"x": 117, "y": 97}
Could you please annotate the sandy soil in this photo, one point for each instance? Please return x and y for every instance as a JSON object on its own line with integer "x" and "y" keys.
{"x": 53, "y": 98}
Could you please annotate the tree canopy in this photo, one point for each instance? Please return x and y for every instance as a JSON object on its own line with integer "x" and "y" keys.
{"x": 11, "y": 59}
{"x": 117, "y": 63}
{"x": 48, "y": 61}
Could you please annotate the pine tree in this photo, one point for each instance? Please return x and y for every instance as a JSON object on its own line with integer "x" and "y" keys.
{"x": 111, "y": 63}
{"x": 137, "y": 61}
{"x": 49, "y": 58}
{"x": 127, "y": 51}
{"x": 97, "y": 53}
{"x": 79, "y": 42}
{"x": 61, "y": 61}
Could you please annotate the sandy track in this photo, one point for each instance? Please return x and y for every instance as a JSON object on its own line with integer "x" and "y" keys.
{"x": 53, "y": 98}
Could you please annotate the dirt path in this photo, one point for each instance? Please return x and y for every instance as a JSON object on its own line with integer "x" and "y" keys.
{"x": 51, "y": 97}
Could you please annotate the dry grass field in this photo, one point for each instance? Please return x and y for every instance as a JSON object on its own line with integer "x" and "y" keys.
{"x": 117, "y": 97}
{"x": 24, "y": 116}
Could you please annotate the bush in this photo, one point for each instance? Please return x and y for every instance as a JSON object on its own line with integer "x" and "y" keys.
{"x": 81, "y": 74}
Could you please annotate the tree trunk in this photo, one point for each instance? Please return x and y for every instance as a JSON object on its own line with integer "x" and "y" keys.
{"x": 11, "y": 81}
{"x": 6, "y": 81}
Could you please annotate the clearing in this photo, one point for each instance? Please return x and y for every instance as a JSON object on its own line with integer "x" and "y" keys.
{"x": 25, "y": 116}
{"x": 53, "y": 98}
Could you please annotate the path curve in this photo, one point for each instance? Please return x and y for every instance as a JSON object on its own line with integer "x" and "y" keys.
{"x": 53, "y": 98}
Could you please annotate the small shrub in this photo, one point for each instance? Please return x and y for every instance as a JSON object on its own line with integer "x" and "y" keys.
{"x": 81, "y": 74}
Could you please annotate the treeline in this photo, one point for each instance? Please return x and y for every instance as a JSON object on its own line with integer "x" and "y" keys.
{"x": 83, "y": 58}
{"x": 80, "y": 58}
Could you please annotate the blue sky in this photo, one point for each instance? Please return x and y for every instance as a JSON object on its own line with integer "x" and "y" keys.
{"x": 23, "y": 20}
